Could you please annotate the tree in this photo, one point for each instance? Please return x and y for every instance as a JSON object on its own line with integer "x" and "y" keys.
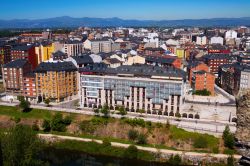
{"x": 105, "y": 110}
{"x": 228, "y": 138}
{"x": 24, "y": 105}
{"x": 21, "y": 146}
{"x": 141, "y": 111}
{"x": 131, "y": 152}
{"x": 96, "y": 111}
{"x": 122, "y": 111}
{"x": 141, "y": 139}
{"x": 132, "y": 134}
{"x": 57, "y": 123}
{"x": 47, "y": 101}
{"x": 46, "y": 125}
{"x": 20, "y": 98}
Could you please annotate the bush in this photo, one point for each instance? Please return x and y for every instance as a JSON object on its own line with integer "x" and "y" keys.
{"x": 228, "y": 138}
{"x": 230, "y": 161}
{"x": 141, "y": 139}
{"x": 67, "y": 120}
{"x": 24, "y": 105}
{"x": 132, "y": 134}
{"x": 203, "y": 92}
{"x": 35, "y": 127}
{"x": 135, "y": 122}
{"x": 87, "y": 127}
{"x": 57, "y": 123}
{"x": 131, "y": 152}
{"x": 200, "y": 142}
{"x": 106, "y": 143}
{"x": 16, "y": 119}
{"x": 46, "y": 125}
{"x": 47, "y": 102}
{"x": 122, "y": 111}
{"x": 175, "y": 160}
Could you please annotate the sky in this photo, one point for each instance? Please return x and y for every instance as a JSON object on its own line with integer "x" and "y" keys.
{"x": 125, "y": 9}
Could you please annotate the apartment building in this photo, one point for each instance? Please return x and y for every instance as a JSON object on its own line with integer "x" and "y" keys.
{"x": 56, "y": 80}
{"x": 44, "y": 51}
{"x": 156, "y": 90}
{"x": 73, "y": 48}
{"x": 102, "y": 45}
{"x": 13, "y": 74}
{"x": 5, "y": 53}
{"x": 29, "y": 86}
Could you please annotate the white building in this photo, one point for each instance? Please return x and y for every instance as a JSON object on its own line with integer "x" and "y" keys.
{"x": 217, "y": 40}
{"x": 201, "y": 40}
{"x": 152, "y": 38}
{"x": 231, "y": 34}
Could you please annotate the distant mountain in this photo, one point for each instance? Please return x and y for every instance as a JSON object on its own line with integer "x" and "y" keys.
{"x": 66, "y": 21}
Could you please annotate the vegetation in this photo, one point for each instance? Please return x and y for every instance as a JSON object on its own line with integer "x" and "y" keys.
{"x": 47, "y": 101}
{"x": 131, "y": 152}
{"x": 20, "y": 146}
{"x": 175, "y": 160}
{"x": 133, "y": 134}
{"x": 200, "y": 142}
{"x": 228, "y": 138}
{"x": 105, "y": 110}
{"x": 141, "y": 139}
{"x": 58, "y": 123}
{"x": 203, "y": 92}
{"x": 24, "y": 104}
{"x": 122, "y": 111}
{"x": 117, "y": 130}
{"x": 230, "y": 161}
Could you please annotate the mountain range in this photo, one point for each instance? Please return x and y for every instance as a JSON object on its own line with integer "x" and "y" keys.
{"x": 66, "y": 21}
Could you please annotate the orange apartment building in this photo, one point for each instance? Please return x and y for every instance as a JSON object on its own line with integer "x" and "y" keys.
{"x": 199, "y": 77}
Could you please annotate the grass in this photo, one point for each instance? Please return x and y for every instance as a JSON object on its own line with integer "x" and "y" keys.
{"x": 96, "y": 122}
{"x": 35, "y": 113}
{"x": 98, "y": 149}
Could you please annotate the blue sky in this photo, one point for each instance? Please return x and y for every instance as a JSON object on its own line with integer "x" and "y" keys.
{"x": 126, "y": 9}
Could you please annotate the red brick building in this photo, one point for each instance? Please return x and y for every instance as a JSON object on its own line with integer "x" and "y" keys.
{"x": 200, "y": 78}
{"x": 164, "y": 61}
{"x": 215, "y": 60}
{"x": 25, "y": 52}
{"x": 13, "y": 73}
{"x": 203, "y": 80}
{"x": 29, "y": 86}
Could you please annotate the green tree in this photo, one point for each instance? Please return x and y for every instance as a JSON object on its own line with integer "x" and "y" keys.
{"x": 228, "y": 138}
{"x": 57, "y": 123}
{"x": 141, "y": 139}
{"x": 24, "y": 105}
{"x": 131, "y": 152}
{"x": 132, "y": 134}
{"x": 21, "y": 146}
{"x": 46, "y": 125}
{"x": 105, "y": 110}
{"x": 47, "y": 101}
{"x": 122, "y": 111}
{"x": 20, "y": 98}
{"x": 96, "y": 111}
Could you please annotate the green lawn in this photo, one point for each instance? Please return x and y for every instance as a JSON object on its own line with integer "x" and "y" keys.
{"x": 35, "y": 113}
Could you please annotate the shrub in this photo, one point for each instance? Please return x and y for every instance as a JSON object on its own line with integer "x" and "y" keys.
{"x": 131, "y": 152}
{"x": 16, "y": 119}
{"x": 105, "y": 110}
{"x": 228, "y": 138}
{"x": 175, "y": 160}
{"x": 46, "y": 125}
{"x": 24, "y": 105}
{"x": 67, "y": 120}
{"x": 230, "y": 161}
{"x": 57, "y": 123}
{"x": 135, "y": 122}
{"x": 141, "y": 139}
{"x": 167, "y": 124}
{"x": 132, "y": 134}
{"x": 87, "y": 127}
{"x": 122, "y": 111}
{"x": 47, "y": 102}
{"x": 35, "y": 127}
{"x": 200, "y": 142}
{"x": 106, "y": 143}
{"x": 203, "y": 92}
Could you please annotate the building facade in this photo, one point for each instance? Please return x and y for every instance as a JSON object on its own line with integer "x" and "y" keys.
{"x": 153, "y": 89}
{"x": 57, "y": 81}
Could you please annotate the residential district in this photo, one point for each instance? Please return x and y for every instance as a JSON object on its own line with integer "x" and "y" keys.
{"x": 190, "y": 76}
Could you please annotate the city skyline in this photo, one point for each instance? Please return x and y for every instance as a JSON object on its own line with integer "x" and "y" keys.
{"x": 141, "y": 10}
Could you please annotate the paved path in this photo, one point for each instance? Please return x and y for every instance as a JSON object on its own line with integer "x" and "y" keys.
{"x": 148, "y": 149}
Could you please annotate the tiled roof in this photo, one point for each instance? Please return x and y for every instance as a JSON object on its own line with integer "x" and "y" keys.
{"x": 55, "y": 66}
{"x": 19, "y": 63}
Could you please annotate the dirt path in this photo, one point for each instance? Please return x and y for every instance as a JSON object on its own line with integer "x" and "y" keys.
{"x": 149, "y": 149}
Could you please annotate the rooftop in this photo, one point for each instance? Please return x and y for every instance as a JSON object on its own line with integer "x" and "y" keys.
{"x": 19, "y": 63}
{"x": 55, "y": 66}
